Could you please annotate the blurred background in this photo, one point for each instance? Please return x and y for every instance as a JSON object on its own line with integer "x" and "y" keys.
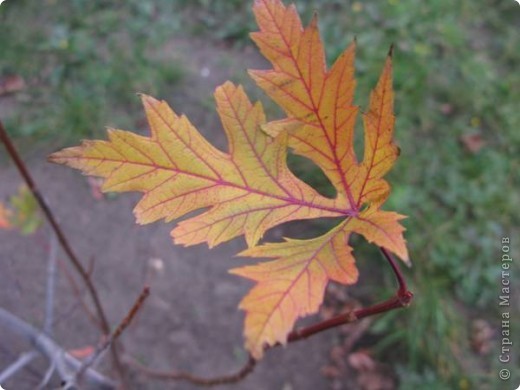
{"x": 70, "y": 68}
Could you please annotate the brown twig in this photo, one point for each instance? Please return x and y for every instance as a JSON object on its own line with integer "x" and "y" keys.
{"x": 117, "y": 333}
{"x": 24, "y": 172}
{"x": 78, "y": 294}
{"x": 131, "y": 314}
{"x": 248, "y": 368}
{"x": 402, "y": 298}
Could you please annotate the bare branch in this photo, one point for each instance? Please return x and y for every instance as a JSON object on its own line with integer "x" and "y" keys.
{"x": 66, "y": 365}
{"x": 51, "y": 286}
{"x": 47, "y": 377}
{"x": 115, "y": 335}
{"x": 23, "y": 360}
{"x": 78, "y": 293}
{"x": 243, "y": 372}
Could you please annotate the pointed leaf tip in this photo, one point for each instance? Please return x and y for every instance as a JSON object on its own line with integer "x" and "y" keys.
{"x": 391, "y": 50}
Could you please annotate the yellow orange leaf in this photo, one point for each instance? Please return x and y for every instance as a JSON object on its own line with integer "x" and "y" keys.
{"x": 383, "y": 229}
{"x": 318, "y": 103}
{"x": 250, "y": 189}
{"x": 320, "y": 125}
{"x": 293, "y": 285}
{"x": 380, "y": 150}
{"x": 21, "y": 213}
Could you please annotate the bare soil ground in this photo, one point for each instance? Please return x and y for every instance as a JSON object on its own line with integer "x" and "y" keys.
{"x": 190, "y": 321}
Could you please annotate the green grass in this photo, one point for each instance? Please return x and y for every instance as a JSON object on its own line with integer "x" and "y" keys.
{"x": 83, "y": 63}
{"x": 456, "y": 73}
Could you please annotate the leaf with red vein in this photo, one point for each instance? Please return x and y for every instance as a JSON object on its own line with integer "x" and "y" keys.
{"x": 380, "y": 150}
{"x": 320, "y": 125}
{"x": 319, "y": 103}
{"x": 250, "y": 189}
{"x": 293, "y": 285}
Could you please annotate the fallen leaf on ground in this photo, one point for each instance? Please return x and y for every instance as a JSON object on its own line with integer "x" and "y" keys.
{"x": 473, "y": 142}
{"x": 11, "y": 83}
{"x": 82, "y": 353}
{"x": 26, "y": 215}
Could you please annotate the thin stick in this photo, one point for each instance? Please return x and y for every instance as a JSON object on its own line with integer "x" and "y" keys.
{"x": 51, "y": 286}
{"x": 24, "y": 172}
{"x": 131, "y": 314}
{"x": 78, "y": 293}
{"x": 246, "y": 369}
{"x": 114, "y": 336}
{"x": 23, "y": 360}
{"x": 75, "y": 288}
{"x": 47, "y": 377}
{"x": 66, "y": 365}
{"x": 346, "y": 318}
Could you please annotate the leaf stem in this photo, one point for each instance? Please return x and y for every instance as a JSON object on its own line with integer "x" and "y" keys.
{"x": 24, "y": 172}
{"x": 403, "y": 288}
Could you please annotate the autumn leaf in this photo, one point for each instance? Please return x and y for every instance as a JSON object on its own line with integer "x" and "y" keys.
{"x": 250, "y": 189}
{"x": 21, "y": 212}
{"x": 319, "y": 104}
{"x": 320, "y": 125}
{"x": 293, "y": 285}
{"x": 26, "y": 212}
